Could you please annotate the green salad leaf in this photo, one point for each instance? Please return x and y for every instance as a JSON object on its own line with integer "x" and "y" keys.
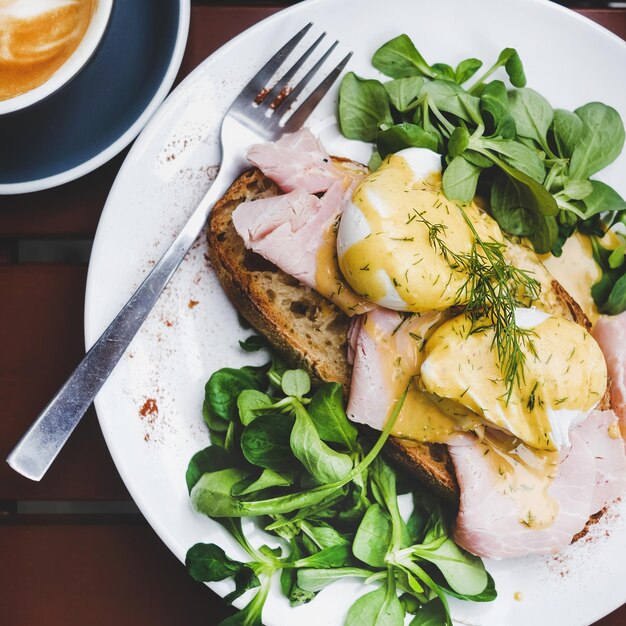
{"x": 293, "y": 461}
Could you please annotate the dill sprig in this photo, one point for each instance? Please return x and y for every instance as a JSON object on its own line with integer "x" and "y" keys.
{"x": 493, "y": 289}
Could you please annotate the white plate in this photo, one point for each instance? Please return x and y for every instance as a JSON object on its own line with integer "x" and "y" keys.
{"x": 566, "y": 57}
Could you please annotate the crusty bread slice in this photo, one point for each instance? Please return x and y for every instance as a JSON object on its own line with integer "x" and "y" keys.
{"x": 311, "y": 331}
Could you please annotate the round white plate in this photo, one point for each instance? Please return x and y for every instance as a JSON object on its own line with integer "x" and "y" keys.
{"x": 194, "y": 330}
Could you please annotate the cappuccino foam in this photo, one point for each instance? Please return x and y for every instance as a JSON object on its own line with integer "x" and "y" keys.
{"x": 36, "y": 38}
{"x": 29, "y": 9}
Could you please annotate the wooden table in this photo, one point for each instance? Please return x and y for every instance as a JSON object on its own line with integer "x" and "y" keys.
{"x": 73, "y": 548}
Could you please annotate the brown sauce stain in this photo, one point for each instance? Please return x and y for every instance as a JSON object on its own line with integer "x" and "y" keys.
{"x": 149, "y": 408}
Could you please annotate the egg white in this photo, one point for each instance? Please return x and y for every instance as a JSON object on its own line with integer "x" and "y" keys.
{"x": 561, "y": 420}
{"x": 354, "y": 227}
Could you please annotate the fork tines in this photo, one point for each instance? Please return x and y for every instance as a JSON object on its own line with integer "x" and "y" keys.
{"x": 282, "y": 95}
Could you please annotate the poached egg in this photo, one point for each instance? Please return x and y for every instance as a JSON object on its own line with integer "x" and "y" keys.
{"x": 564, "y": 376}
{"x": 385, "y": 247}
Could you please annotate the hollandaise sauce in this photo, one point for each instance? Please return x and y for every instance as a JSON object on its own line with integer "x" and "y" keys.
{"x": 564, "y": 376}
{"x": 423, "y": 417}
{"x": 577, "y": 271}
{"x": 392, "y": 210}
{"x": 524, "y": 475}
{"x": 329, "y": 281}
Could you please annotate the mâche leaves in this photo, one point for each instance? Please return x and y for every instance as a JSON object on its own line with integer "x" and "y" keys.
{"x": 399, "y": 58}
{"x": 601, "y": 139}
{"x": 211, "y": 459}
{"x": 335, "y": 508}
{"x": 494, "y": 103}
{"x": 329, "y": 417}
{"x": 403, "y": 92}
{"x": 466, "y": 69}
{"x": 546, "y": 154}
{"x": 602, "y": 198}
{"x": 459, "y": 141}
{"x": 567, "y": 128}
{"x": 609, "y": 293}
{"x": 373, "y": 536}
{"x": 250, "y": 403}
{"x": 295, "y": 383}
{"x": 265, "y": 442}
{"x": 376, "y": 608}
{"x": 364, "y": 108}
{"x": 460, "y": 179}
{"x": 316, "y": 579}
{"x": 223, "y": 389}
{"x": 448, "y": 97}
{"x": 268, "y": 478}
{"x": 403, "y": 136}
{"x": 431, "y": 614}
{"x": 463, "y": 572}
{"x": 323, "y": 463}
{"x": 532, "y": 113}
{"x": 254, "y": 343}
{"x": 209, "y": 563}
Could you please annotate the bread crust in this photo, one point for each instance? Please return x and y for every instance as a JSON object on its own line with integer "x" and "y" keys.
{"x": 310, "y": 331}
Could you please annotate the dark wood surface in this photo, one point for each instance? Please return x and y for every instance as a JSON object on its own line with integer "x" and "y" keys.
{"x": 100, "y": 567}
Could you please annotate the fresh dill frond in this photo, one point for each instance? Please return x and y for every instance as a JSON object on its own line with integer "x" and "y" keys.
{"x": 493, "y": 289}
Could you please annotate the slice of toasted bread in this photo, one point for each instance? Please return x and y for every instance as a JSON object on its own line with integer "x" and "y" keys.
{"x": 311, "y": 331}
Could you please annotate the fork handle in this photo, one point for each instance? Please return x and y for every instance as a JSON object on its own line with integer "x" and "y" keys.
{"x": 41, "y": 443}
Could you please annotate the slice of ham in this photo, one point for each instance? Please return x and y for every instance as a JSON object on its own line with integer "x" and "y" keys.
{"x": 489, "y": 523}
{"x": 608, "y": 452}
{"x": 296, "y": 161}
{"x": 296, "y": 232}
{"x": 591, "y": 473}
{"x": 384, "y": 345}
{"x": 610, "y": 333}
{"x": 371, "y": 393}
{"x": 353, "y": 336}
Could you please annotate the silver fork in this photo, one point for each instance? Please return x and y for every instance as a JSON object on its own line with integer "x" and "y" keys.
{"x": 257, "y": 114}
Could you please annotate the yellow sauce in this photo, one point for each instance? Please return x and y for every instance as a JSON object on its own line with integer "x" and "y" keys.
{"x": 614, "y": 430}
{"x": 397, "y": 252}
{"x": 564, "y": 370}
{"x": 525, "y": 475}
{"x": 526, "y": 259}
{"x": 577, "y": 271}
{"x": 423, "y": 417}
{"x": 426, "y": 418}
{"x": 328, "y": 279}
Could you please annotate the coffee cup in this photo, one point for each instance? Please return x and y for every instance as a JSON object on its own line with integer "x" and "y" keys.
{"x": 44, "y": 44}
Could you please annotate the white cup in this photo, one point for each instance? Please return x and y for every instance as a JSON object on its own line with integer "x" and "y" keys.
{"x": 76, "y": 61}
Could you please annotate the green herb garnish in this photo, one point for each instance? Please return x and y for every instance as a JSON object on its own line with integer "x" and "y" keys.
{"x": 493, "y": 289}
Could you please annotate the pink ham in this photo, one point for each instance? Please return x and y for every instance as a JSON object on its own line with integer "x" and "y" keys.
{"x": 370, "y": 393}
{"x": 288, "y": 230}
{"x": 488, "y": 523}
{"x": 591, "y": 474}
{"x": 353, "y": 337}
{"x": 599, "y": 433}
{"x": 610, "y": 333}
{"x": 291, "y": 230}
{"x": 296, "y": 161}
{"x": 386, "y": 344}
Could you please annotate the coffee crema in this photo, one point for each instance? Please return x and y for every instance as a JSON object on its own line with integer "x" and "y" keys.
{"x": 36, "y": 38}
